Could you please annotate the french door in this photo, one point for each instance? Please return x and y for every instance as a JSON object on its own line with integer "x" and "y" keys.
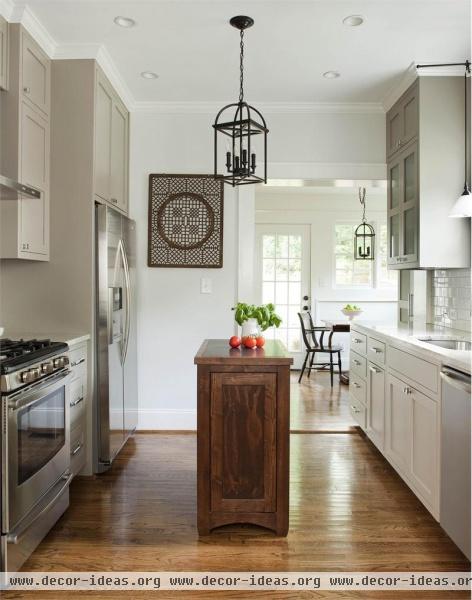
{"x": 283, "y": 278}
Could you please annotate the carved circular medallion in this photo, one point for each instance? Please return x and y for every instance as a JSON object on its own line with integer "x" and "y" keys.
{"x": 185, "y": 220}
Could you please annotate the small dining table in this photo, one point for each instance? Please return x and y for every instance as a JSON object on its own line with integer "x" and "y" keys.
{"x": 338, "y": 326}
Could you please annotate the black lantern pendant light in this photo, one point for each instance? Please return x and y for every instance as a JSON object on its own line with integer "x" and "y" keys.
{"x": 364, "y": 236}
{"x": 242, "y": 125}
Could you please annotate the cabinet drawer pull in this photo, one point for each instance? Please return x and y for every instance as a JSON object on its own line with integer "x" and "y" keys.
{"x": 375, "y": 370}
{"x": 75, "y": 402}
{"x": 77, "y": 449}
{"x": 354, "y": 409}
{"x": 357, "y": 341}
{"x": 114, "y": 200}
{"x": 77, "y": 362}
{"x": 357, "y": 362}
{"x": 407, "y": 391}
{"x": 376, "y": 350}
{"x": 356, "y": 385}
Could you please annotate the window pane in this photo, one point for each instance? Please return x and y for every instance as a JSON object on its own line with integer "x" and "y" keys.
{"x": 282, "y": 246}
{"x": 295, "y": 269}
{"x": 294, "y": 293}
{"x": 268, "y": 269}
{"x": 295, "y": 246}
{"x": 293, "y": 340}
{"x": 281, "y": 270}
{"x": 268, "y": 246}
{"x": 268, "y": 293}
{"x": 281, "y": 293}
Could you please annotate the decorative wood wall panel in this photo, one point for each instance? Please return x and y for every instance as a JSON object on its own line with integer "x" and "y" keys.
{"x": 185, "y": 221}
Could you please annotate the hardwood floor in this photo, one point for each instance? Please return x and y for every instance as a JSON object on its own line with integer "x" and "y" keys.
{"x": 349, "y": 511}
{"x": 315, "y": 406}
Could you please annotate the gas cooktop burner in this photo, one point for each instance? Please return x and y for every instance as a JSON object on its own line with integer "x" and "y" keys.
{"x": 16, "y": 354}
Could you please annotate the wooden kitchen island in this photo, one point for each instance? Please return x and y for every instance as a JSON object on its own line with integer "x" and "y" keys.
{"x": 243, "y": 425}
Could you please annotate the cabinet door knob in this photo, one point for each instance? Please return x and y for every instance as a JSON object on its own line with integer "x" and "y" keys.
{"x": 114, "y": 200}
{"x": 26, "y": 89}
{"x": 305, "y": 298}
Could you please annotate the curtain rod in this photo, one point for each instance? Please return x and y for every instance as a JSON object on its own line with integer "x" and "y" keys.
{"x": 465, "y": 64}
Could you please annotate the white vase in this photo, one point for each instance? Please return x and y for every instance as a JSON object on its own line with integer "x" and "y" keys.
{"x": 250, "y": 328}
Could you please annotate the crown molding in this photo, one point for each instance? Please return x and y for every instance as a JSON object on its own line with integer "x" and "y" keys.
{"x": 412, "y": 73}
{"x": 20, "y": 13}
{"x": 111, "y": 71}
{"x": 6, "y": 9}
{"x": 176, "y": 107}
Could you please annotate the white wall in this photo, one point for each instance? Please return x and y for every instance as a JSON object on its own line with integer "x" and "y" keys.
{"x": 173, "y": 317}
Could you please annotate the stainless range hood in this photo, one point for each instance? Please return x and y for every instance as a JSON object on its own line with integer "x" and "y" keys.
{"x": 11, "y": 189}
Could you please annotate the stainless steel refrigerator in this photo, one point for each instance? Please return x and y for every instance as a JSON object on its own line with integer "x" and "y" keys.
{"x": 116, "y": 360}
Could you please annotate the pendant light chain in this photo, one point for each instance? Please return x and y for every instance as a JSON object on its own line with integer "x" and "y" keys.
{"x": 241, "y": 67}
{"x": 466, "y": 166}
{"x": 362, "y": 201}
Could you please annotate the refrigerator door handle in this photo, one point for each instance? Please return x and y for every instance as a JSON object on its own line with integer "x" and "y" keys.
{"x": 110, "y": 316}
{"x": 128, "y": 299}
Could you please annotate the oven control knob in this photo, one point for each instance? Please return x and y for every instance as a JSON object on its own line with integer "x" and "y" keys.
{"x": 58, "y": 362}
{"x": 47, "y": 367}
{"x": 35, "y": 373}
{"x": 29, "y": 376}
{"x": 25, "y": 377}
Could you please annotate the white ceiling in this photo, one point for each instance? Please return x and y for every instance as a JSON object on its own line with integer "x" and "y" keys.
{"x": 195, "y": 51}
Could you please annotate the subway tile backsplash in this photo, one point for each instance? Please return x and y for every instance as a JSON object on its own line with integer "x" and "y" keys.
{"x": 451, "y": 298}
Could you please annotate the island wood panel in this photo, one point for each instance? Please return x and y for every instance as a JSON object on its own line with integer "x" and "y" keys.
{"x": 243, "y": 436}
{"x": 243, "y": 442}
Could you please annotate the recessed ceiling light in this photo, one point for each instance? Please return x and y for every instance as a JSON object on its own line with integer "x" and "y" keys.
{"x": 353, "y": 20}
{"x": 331, "y": 75}
{"x": 149, "y": 75}
{"x": 124, "y": 22}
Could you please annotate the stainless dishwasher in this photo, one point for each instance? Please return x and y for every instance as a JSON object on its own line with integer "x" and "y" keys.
{"x": 455, "y": 457}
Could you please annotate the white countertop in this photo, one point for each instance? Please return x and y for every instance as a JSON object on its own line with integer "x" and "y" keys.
{"x": 70, "y": 338}
{"x": 458, "y": 359}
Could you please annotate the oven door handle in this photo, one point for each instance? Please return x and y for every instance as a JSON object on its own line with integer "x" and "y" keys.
{"x": 15, "y": 536}
{"x": 35, "y": 394}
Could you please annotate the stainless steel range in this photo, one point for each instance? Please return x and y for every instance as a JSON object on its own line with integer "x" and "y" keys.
{"x": 35, "y": 458}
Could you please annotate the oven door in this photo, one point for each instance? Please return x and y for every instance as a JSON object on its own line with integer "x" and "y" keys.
{"x": 38, "y": 444}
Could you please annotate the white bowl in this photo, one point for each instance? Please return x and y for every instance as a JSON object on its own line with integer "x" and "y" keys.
{"x": 350, "y": 314}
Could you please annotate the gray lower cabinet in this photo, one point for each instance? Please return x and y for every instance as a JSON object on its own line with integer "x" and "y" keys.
{"x": 111, "y": 145}
{"x": 376, "y": 405}
{"x": 78, "y": 407}
{"x": 425, "y": 173}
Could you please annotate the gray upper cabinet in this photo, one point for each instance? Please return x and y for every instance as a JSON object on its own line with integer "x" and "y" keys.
{"x": 403, "y": 196}
{"x": 119, "y": 156}
{"x": 111, "y": 146}
{"x": 402, "y": 121}
{"x": 425, "y": 154}
{"x": 24, "y": 222}
{"x": 103, "y": 115}
{"x": 35, "y": 74}
{"x": 3, "y": 54}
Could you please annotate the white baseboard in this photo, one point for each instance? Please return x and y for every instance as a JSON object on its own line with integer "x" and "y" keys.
{"x": 167, "y": 419}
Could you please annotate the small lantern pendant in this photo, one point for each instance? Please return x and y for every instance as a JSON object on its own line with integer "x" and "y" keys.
{"x": 364, "y": 236}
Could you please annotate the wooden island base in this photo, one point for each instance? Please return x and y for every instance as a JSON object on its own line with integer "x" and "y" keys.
{"x": 243, "y": 436}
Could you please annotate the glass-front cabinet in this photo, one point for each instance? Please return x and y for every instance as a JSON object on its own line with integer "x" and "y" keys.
{"x": 403, "y": 194}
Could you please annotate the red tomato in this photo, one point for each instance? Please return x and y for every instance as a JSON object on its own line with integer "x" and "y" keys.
{"x": 234, "y": 341}
{"x": 250, "y": 342}
{"x": 260, "y": 341}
